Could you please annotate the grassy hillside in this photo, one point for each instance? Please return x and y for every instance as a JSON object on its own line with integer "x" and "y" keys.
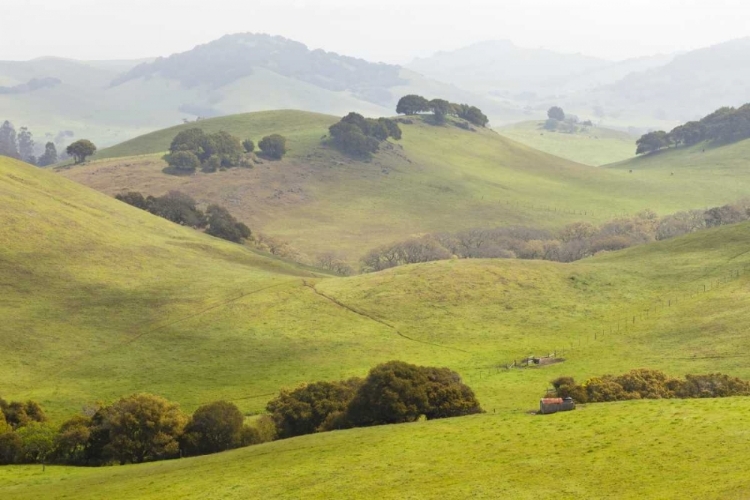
{"x": 302, "y": 129}
{"x": 100, "y": 300}
{"x": 646, "y": 449}
{"x": 593, "y": 146}
{"x": 246, "y": 326}
{"x": 715, "y": 163}
{"x": 435, "y": 179}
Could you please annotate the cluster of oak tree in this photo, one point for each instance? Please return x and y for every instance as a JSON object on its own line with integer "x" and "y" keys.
{"x": 361, "y": 137}
{"x": 393, "y": 392}
{"x": 143, "y": 427}
{"x": 193, "y": 148}
{"x": 650, "y": 384}
{"x": 440, "y": 109}
{"x": 723, "y": 126}
{"x": 135, "y": 429}
{"x": 182, "y": 209}
{"x": 558, "y": 121}
{"x": 574, "y": 242}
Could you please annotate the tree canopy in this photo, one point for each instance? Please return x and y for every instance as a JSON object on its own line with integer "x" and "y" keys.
{"x": 412, "y": 105}
{"x": 222, "y": 224}
{"x": 273, "y": 146}
{"x": 393, "y": 392}
{"x": 80, "y": 150}
{"x": 441, "y": 109}
{"x": 723, "y": 126}
{"x": 9, "y": 140}
{"x": 653, "y": 141}
{"x": 141, "y": 428}
{"x": 213, "y": 428}
{"x": 193, "y": 148}
{"x": 556, "y": 113}
{"x": 311, "y": 407}
{"x": 396, "y": 392}
{"x": 50, "y": 155}
{"x": 361, "y": 137}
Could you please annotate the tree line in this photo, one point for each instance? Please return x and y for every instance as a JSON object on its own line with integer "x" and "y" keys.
{"x": 193, "y": 148}
{"x": 182, "y": 209}
{"x": 574, "y": 242}
{"x": 135, "y": 429}
{"x": 440, "y": 109}
{"x": 146, "y": 428}
{"x": 22, "y": 146}
{"x": 392, "y": 393}
{"x": 650, "y": 384}
{"x": 723, "y": 126}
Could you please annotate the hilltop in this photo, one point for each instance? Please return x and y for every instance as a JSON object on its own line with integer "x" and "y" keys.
{"x": 117, "y": 301}
{"x": 590, "y": 145}
{"x": 435, "y": 179}
{"x": 112, "y": 101}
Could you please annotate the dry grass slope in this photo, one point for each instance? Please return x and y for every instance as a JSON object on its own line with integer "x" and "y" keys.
{"x": 435, "y": 179}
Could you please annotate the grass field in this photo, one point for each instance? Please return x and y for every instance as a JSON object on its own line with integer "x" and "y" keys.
{"x": 160, "y": 307}
{"x": 436, "y": 179}
{"x": 645, "y": 449}
{"x": 101, "y": 300}
{"x": 722, "y": 163}
{"x": 591, "y": 146}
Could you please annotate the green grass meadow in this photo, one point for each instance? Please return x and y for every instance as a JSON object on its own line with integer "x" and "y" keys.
{"x": 101, "y": 300}
{"x": 593, "y": 146}
{"x": 643, "y": 449}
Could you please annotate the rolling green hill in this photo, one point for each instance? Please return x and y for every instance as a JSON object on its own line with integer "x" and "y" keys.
{"x": 301, "y": 128}
{"x": 591, "y": 146}
{"x": 646, "y": 449}
{"x": 435, "y": 179}
{"x": 722, "y": 163}
{"x": 101, "y": 300}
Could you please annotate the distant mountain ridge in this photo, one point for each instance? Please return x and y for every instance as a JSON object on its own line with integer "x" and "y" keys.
{"x": 499, "y": 65}
{"x": 112, "y": 101}
{"x": 233, "y": 57}
{"x": 31, "y": 85}
{"x": 690, "y": 86}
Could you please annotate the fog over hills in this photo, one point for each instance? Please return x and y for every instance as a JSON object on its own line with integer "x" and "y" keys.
{"x": 686, "y": 88}
{"x": 111, "y": 101}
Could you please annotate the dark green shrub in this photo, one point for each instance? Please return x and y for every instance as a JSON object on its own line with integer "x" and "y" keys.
{"x": 11, "y": 448}
{"x": 184, "y": 162}
{"x": 398, "y": 392}
{"x": 223, "y": 225}
{"x": 273, "y": 146}
{"x": 177, "y": 207}
{"x": 213, "y": 428}
{"x": 306, "y": 409}
{"x": 133, "y": 198}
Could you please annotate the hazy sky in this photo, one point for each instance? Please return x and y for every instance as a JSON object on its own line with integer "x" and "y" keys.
{"x": 384, "y": 30}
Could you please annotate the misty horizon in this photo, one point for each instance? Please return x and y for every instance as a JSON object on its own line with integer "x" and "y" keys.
{"x": 395, "y": 32}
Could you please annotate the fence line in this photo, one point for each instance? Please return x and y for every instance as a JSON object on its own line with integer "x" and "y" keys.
{"x": 625, "y": 322}
{"x": 540, "y": 207}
